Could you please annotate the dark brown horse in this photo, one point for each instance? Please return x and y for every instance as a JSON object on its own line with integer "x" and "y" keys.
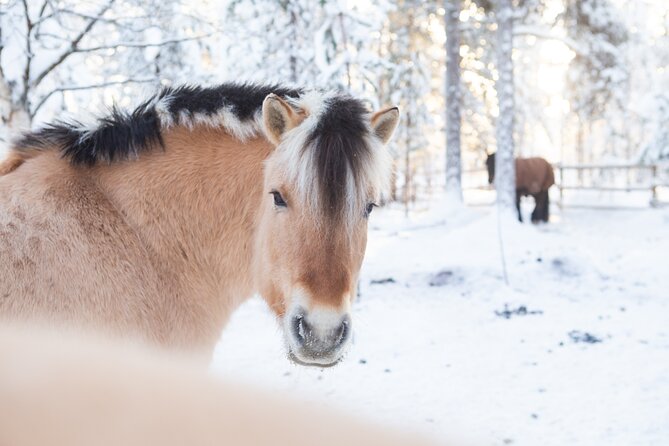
{"x": 534, "y": 176}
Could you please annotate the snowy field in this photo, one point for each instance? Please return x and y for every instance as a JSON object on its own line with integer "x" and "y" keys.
{"x": 575, "y": 351}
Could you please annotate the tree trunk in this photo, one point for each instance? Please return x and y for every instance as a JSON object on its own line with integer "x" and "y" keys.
{"x": 292, "y": 58}
{"x": 505, "y": 175}
{"x": 393, "y": 182}
{"x": 407, "y": 166}
{"x": 453, "y": 102}
{"x": 580, "y": 150}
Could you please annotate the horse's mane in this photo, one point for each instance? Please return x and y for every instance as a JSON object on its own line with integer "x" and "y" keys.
{"x": 122, "y": 134}
{"x": 343, "y": 164}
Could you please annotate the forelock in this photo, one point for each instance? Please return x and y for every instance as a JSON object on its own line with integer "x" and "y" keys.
{"x": 333, "y": 158}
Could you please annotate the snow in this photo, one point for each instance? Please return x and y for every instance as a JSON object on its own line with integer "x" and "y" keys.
{"x": 463, "y": 361}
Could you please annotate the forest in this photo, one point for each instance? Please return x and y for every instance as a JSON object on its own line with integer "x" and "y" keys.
{"x": 576, "y": 82}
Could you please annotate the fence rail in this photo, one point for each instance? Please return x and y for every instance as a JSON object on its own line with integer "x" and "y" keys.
{"x": 650, "y": 183}
{"x": 651, "y": 187}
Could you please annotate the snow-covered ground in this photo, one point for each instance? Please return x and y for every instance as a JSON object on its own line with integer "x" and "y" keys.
{"x": 574, "y": 351}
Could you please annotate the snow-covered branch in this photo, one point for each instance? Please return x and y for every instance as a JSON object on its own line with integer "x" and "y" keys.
{"x": 546, "y": 34}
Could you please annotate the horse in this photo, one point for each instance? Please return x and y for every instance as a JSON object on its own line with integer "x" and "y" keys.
{"x": 64, "y": 389}
{"x": 156, "y": 223}
{"x": 534, "y": 176}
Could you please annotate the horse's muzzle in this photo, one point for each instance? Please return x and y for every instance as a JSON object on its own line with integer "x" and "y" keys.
{"x": 317, "y": 341}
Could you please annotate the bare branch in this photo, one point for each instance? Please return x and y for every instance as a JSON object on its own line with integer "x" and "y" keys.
{"x": 73, "y": 46}
{"x": 37, "y": 23}
{"x": 82, "y": 15}
{"x": 42, "y": 10}
{"x": 87, "y": 87}
{"x": 143, "y": 44}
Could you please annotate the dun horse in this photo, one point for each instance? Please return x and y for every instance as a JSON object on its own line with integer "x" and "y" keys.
{"x": 534, "y": 176}
{"x": 157, "y": 223}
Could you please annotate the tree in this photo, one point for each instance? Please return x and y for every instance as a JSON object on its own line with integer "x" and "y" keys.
{"x": 49, "y": 50}
{"x": 598, "y": 75}
{"x": 407, "y": 83}
{"x": 310, "y": 43}
{"x": 453, "y": 102}
{"x": 655, "y": 84}
{"x": 277, "y": 45}
{"x": 505, "y": 176}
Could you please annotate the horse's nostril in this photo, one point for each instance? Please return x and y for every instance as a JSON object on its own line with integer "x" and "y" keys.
{"x": 342, "y": 334}
{"x": 301, "y": 329}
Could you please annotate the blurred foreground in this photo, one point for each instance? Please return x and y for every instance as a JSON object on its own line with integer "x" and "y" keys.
{"x": 63, "y": 390}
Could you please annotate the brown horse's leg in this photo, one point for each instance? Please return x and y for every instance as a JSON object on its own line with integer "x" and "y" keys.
{"x": 547, "y": 206}
{"x": 537, "y": 213}
{"x": 520, "y": 216}
{"x": 540, "y": 212}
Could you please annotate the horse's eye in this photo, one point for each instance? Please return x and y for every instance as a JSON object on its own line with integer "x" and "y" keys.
{"x": 278, "y": 199}
{"x": 369, "y": 209}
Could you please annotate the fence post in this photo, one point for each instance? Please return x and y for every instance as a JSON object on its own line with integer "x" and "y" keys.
{"x": 653, "y": 186}
{"x": 561, "y": 186}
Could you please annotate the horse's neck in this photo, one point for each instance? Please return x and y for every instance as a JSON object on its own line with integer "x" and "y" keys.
{"x": 194, "y": 205}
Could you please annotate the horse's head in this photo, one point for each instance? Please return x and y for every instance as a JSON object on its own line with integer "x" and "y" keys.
{"x": 490, "y": 164}
{"x": 320, "y": 185}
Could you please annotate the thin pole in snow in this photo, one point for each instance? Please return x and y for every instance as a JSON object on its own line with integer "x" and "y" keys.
{"x": 501, "y": 245}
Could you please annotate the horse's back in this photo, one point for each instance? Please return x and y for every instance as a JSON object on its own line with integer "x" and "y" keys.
{"x": 61, "y": 243}
{"x": 534, "y": 174}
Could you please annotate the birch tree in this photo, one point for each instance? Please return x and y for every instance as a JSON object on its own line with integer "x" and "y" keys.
{"x": 505, "y": 175}
{"x": 453, "y": 102}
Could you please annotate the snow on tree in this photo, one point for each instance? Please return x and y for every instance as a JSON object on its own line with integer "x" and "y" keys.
{"x": 313, "y": 43}
{"x": 478, "y": 85}
{"x": 479, "y": 73}
{"x": 599, "y": 73}
{"x": 649, "y": 48}
{"x": 505, "y": 176}
{"x": 453, "y": 102}
{"x": 408, "y": 84}
{"x": 272, "y": 40}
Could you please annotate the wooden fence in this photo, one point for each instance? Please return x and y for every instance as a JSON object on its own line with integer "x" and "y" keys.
{"x": 592, "y": 177}
{"x": 634, "y": 178}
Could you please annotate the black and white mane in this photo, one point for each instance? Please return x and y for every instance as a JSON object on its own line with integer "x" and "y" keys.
{"x": 336, "y": 143}
{"x": 121, "y": 134}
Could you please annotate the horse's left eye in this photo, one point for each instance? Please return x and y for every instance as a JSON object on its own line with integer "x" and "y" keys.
{"x": 278, "y": 199}
{"x": 369, "y": 209}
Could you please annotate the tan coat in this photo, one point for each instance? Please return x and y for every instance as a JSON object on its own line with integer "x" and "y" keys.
{"x": 118, "y": 248}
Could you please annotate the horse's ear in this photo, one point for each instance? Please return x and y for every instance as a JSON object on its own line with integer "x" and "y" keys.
{"x": 384, "y": 123}
{"x": 278, "y": 117}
